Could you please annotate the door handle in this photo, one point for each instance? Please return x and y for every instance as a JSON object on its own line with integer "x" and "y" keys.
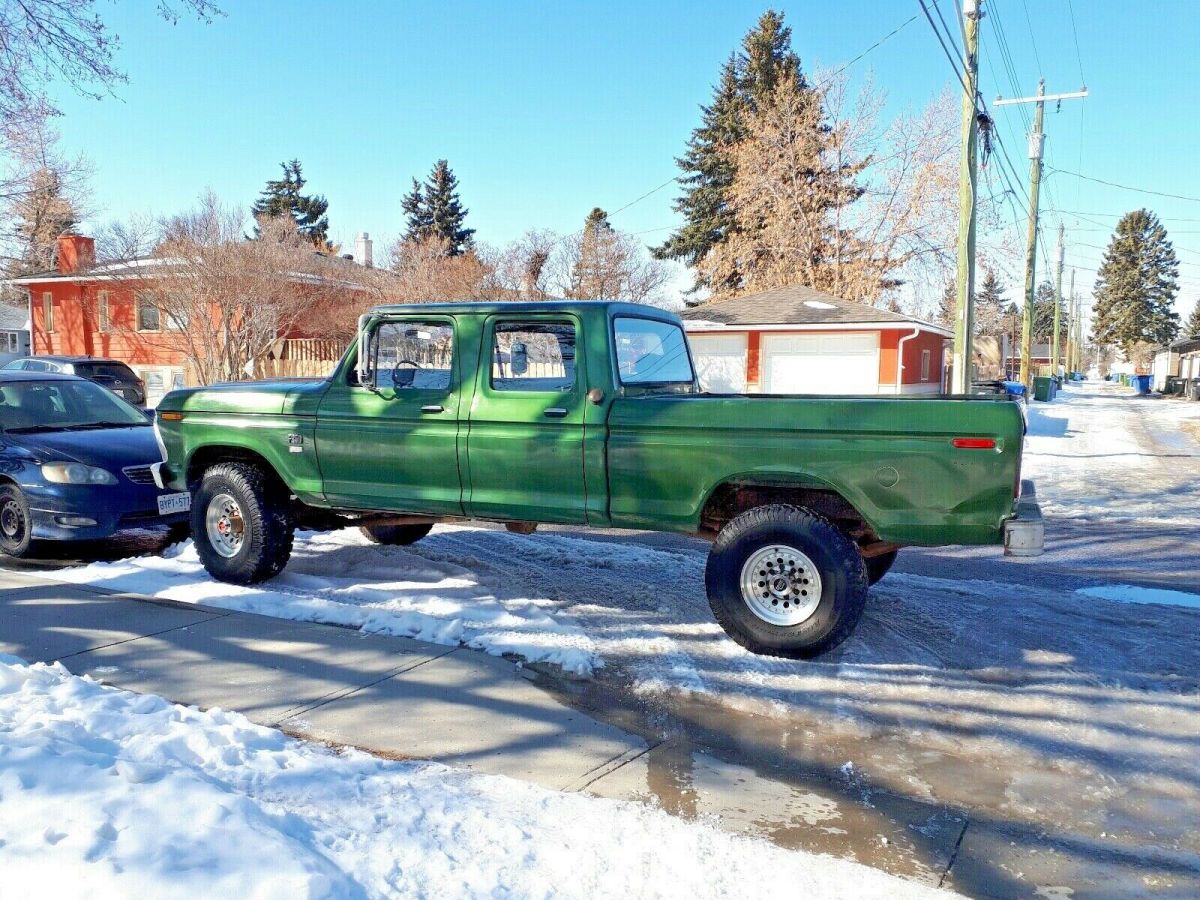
{"x": 555, "y": 412}
{"x": 433, "y": 408}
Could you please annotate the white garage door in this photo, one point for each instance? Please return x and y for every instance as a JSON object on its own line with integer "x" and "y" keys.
{"x": 820, "y": 363}
{"x": 720, "y": 362}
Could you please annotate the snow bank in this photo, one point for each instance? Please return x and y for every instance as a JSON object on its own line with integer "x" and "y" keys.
{"x": 342, "y": 579}
{"x": 1129, "y": 593}
{"x": 105, "y": 793}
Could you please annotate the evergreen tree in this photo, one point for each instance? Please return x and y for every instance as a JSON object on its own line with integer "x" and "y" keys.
{"x": 1136, "y": 285}
{"x": 990, "y": 305}
{"x": 1043, "y": 315}
{"x": 434, "y": 210}
{"x": 1191, "y": 328}
{"x": 283, "y": 197}
{"x": 947, "y": 306}
{"x": 39, "y": 215}
{"x": 749, "y": 80}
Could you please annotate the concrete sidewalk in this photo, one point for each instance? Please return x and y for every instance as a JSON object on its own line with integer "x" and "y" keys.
{"x": 389, "y": 695}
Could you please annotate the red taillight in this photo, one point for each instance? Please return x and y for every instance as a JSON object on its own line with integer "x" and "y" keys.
{"x": 974, "y": 443}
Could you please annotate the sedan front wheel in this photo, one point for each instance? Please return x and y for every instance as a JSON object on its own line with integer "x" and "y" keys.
{"x": 16, "y": 533}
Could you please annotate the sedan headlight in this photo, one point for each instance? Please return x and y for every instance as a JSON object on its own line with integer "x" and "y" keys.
{"x": 76, "y": 473}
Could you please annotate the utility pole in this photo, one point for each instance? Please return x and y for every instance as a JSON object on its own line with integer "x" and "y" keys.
{"x": 1058, "y": 302}
{"x": 1037, "y": 141}
{"x": 1072, "y": 340}
{"x": 963, "y": 358}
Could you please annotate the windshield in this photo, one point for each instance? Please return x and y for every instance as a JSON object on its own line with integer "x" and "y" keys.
{"x": 61, "y": 405}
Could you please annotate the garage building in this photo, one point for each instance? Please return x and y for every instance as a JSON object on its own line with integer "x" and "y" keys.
{"x": 796, "y": 340}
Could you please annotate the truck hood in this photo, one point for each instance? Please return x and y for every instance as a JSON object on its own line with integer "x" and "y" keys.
{"x": 110, "y": 448}
{"x": 282, "y": 395}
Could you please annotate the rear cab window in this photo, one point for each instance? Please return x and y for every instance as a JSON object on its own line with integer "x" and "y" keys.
{"x": 651, "y": 353}
{"x": 533, "y": 356}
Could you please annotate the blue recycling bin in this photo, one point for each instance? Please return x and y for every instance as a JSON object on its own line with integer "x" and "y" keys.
{"x": 1141, "y": 383}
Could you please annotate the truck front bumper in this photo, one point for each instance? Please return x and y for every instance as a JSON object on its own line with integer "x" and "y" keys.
{"x": 1024, "y": 533}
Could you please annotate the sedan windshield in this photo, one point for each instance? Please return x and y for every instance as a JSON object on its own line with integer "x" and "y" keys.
{"x": 63, "y": 405}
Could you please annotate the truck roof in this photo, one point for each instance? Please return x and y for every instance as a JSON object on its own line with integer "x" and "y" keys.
{"x": 488, "y": 307}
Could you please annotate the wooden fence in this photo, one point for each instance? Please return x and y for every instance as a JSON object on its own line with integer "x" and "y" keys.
{"x": 301, "y": 358}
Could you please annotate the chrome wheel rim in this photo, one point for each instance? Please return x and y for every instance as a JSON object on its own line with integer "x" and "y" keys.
{"x": 781, "y": 585}
{"x": 12, "y": 522}
{"x": 224, "y": 525}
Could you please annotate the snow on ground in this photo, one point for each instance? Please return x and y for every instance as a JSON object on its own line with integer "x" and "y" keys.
{"x": 1129, "y": 593}
{"x": 105, "y": 793}
{"x": 343, "y": 579}
{"x": 1101, "y": 453}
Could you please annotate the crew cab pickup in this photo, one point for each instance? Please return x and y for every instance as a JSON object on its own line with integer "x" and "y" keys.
{"x": 590, "y": 413}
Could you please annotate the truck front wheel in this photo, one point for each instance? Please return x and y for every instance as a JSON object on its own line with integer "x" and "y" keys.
{"x": 240, "y": 523}
{"x": 784, "y": 581}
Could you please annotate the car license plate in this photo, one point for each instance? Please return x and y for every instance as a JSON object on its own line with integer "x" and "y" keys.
{"x": 174, "y": 503}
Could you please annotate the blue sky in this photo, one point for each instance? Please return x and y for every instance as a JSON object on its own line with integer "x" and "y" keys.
{"x": 546, "y": 110}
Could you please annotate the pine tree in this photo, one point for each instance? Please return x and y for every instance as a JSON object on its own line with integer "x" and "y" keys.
{"x": 948, "y": 306}
{"x": 434, "y": 210}
{"x": 1191, "y": 328}
{"x": 283, "y": 197}
{"x": 749, "y": 80}
{"x": 1043, "y": 315}
{"x": 40, "y": 214}
{"x": 1136, "y": 286}
{"x": 990, "y": 305}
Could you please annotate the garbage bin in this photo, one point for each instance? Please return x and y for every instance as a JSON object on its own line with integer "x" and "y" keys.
{"x": 1195, "y": 390}
{"x": 1043, "y": 386}
{"x": 1141, "y": 383}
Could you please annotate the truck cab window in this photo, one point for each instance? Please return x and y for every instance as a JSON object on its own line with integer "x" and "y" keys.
{"x": 414, "y": 356}
{"x": 651, "y": 352}
{"x": 533, "y": 356}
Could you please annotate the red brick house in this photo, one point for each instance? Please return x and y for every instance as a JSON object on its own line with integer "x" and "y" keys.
{"x": 84, "y": 309}
{"x": 796, "y": 340}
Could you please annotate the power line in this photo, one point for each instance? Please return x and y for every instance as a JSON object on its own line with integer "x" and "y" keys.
{"x": 1075, "y": 34}
{"x": 1032, "y": 38}
{"x": 891, "y": 34}
{"x": 1125, "y": 187}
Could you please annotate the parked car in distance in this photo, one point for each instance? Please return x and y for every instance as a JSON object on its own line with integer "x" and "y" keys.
{"x": 591, "y": 414}
{"x": 75, "y": 463}
{"x": 110, "y": 373}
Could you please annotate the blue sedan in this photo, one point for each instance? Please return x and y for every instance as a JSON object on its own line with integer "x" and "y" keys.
{"x": 75, "y": 463}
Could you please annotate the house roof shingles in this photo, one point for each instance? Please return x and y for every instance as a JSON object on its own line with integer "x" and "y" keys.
{"x": 13, "y": 318}
{"x": 795, "y": 305}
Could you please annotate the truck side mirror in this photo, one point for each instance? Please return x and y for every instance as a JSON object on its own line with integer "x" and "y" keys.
{"x": 365, "y": 364}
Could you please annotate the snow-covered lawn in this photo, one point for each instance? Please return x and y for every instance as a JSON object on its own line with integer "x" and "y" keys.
{"x": 104, "y": 793}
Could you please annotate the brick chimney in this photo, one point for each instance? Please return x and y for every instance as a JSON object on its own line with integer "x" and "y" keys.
{"x": 76, "y": 253}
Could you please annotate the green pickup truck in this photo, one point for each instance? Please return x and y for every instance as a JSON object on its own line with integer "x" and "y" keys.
{"x": 590, "y": 413}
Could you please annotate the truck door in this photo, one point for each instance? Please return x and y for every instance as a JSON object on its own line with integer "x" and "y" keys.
{"x": 526, "y": 429}
{"x": 393, "y": 446}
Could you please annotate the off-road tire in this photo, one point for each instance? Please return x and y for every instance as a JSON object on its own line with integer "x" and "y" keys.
{"x": 835, "y": 556}
{"x": 878, "y": 566}
{"x": 395, "y": 535}
{"x": 20, "y": 543}
{"x": 267, "y": 523}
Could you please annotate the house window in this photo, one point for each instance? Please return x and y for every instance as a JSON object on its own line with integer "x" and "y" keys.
{"x": 13, "y": 345}
{"x": 102, "y": 320}
{"x": 926, "y": 361}
{"x": 177, "y": 320}
{"x": 148, "y": 316}
{"x": 48, "y": 310}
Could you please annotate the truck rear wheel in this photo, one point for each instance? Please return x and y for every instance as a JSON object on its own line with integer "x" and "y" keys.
{"x": 240, "y": 523}
{"x": 784, "y": 581}
{"x": 395, "y": 535}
